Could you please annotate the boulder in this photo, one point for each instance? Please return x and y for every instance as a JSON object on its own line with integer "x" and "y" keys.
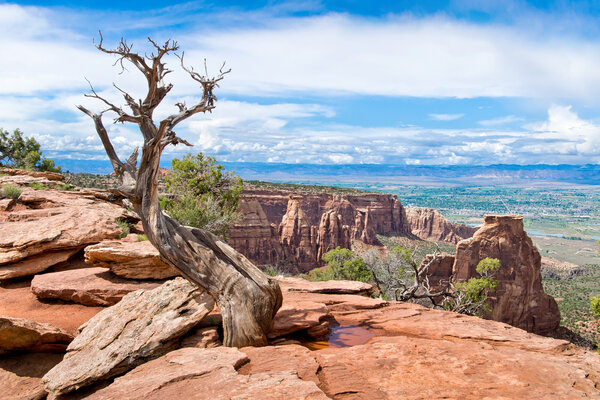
{"x": 329, "y": 287}
{"x": 144, "y": 325}
{"x": 129, "y": 259}
{"x": 430, "y": 224}
{"x": 49, "y": 224}
{"x": 206, "y": 374}
{"x": 87, "y": 286}
{"x": 519, "y": 299}
{"x": 18, "y": 334}
{"x": 295, "y": 316}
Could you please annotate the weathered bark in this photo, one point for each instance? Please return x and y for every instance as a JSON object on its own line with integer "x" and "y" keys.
{"x": 247, "y": 298}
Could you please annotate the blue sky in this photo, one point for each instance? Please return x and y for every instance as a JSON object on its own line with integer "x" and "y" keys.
{"x": 328, "y": 82}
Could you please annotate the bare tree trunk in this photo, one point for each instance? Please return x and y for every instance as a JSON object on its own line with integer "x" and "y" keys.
{"x": 247, "y": 298}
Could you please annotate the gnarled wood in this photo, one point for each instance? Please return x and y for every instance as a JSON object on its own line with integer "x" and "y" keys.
{"x": 247, "y": 298}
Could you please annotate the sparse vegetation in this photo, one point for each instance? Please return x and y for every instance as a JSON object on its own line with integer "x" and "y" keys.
{"x": 125, "y": 227}
{"x": 38, "y": 186}
{"x": 470, "y": 297}
{"x": 573, "y": 290}
{"x": 11, "y": 192}
{"x": 142, "y": 237}
{"x": 203, "y": 194}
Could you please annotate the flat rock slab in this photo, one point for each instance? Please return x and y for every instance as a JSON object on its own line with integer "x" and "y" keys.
{"x": 49, "y": 221}
{"x": 206, "y": 374}
{"x": 18, "y": 334}
{"x": 87, "y": 286}
{"x": 21, "y": 375}
{"x": 134, "y": 260}
{"x": 17, "y": 300}
{"x": 33, "y": 265}
{"x": 142, "y": 326}
{"x": 330, "y": 287}
{"x": 295, "y": 316}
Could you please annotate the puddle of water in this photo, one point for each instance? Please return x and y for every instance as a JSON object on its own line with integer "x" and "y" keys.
{"x": 343, "y": 336}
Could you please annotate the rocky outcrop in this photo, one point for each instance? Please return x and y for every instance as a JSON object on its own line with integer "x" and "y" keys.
{"x": 214, "y": 375}
{"x": 49, "y": 226}
{"x": 129, "y": 259}
{"x": 332, "y": 233}
{"x": 87, "y": 286}
{"x": 439, "y": 271}
{"x": 142, "y": 326}
{"x": 254, "y": 235}
{"x": 519, "y": 299}
{"x": 430, "y": 224}
{"x": 51, "y": 176}
{"x": 294, "y": 230}
{"x": 328, "y": 287}
{"x": 18, "y": 335}
{"x": 298, "y": 238}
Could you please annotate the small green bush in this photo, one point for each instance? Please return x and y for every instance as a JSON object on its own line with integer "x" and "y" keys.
{"x": 11, "y": 191}
{"x": 341, "y": 264}
{"x": 125, "y": 227}
{"x": 142, "y": 237}
{"x": 470, "y": 297}
{"x": 38, "y": 186}
{"x": 595, "y": 304}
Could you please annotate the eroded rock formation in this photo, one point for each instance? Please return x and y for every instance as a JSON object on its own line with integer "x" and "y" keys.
{"x": 18, "y": 334}
{"x": 430, "y": 224}
{"x": 519, "y": 299}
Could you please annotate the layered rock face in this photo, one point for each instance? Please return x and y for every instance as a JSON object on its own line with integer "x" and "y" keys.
{"x": 519, "y": 299}
{"x": 46, "y": 227}
{"x": 281, "y": 228}
{"x": 291, "y": 229}
{"x": 430, "y": 224}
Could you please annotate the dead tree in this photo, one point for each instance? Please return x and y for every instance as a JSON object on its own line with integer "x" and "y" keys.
{"x": 247, "y": 298}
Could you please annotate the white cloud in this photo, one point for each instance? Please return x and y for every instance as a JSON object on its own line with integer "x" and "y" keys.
{"x": 509, "y": 119}
{"x": 446, "y": 117}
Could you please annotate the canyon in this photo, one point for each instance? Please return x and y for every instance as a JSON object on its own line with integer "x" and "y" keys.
{"x": 292, "y": 230}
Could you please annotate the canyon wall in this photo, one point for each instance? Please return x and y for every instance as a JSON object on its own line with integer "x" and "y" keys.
{"x": 294, "y": 230}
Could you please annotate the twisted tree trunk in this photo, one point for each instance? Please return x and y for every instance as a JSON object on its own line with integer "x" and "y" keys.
{"x": 247, "y": 298}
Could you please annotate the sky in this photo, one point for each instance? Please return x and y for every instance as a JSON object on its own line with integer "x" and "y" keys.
{"x": 322, "y": 82}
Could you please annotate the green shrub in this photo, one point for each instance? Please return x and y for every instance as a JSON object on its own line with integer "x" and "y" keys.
{"x": 342, "y": 264}
{"x": 470, "y": 297}
{"x": 204, "y": 195}
{"x": 11, "y": 191}
{"x": 142, "y": 237}
{"x": 595, "y": 304}
{"x": 125, "y": 227}
{"x": 18, "y": 151}
{"x": 38, "y": 186}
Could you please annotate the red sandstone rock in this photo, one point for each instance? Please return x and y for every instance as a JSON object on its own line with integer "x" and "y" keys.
{"x": 129, "y": 259}
{"x": 20, "y": 375}
{"x": 430, "y": 224}
{"x": 254, "y": 236}
{"x": 330, "y": 287}
{"x": 296, "y": 316}
{"x": 88, "y": 286}
{"x": 18, "y": 334}
{"x": 206, "y": 374}
{"x": 332, "y": 233}
{"x": 51, "y": 176}
{"x": 142, "y": 326}
{"x": 311, "y": 224}
{"x": 439, "y": 271}
{"x": 298, "y": 237}
{"x": 49, "y": 225}
{"x": 519, "y": 299}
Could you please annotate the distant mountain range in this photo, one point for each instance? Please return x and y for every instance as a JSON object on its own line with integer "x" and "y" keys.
{"x": 501, "y": 174}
